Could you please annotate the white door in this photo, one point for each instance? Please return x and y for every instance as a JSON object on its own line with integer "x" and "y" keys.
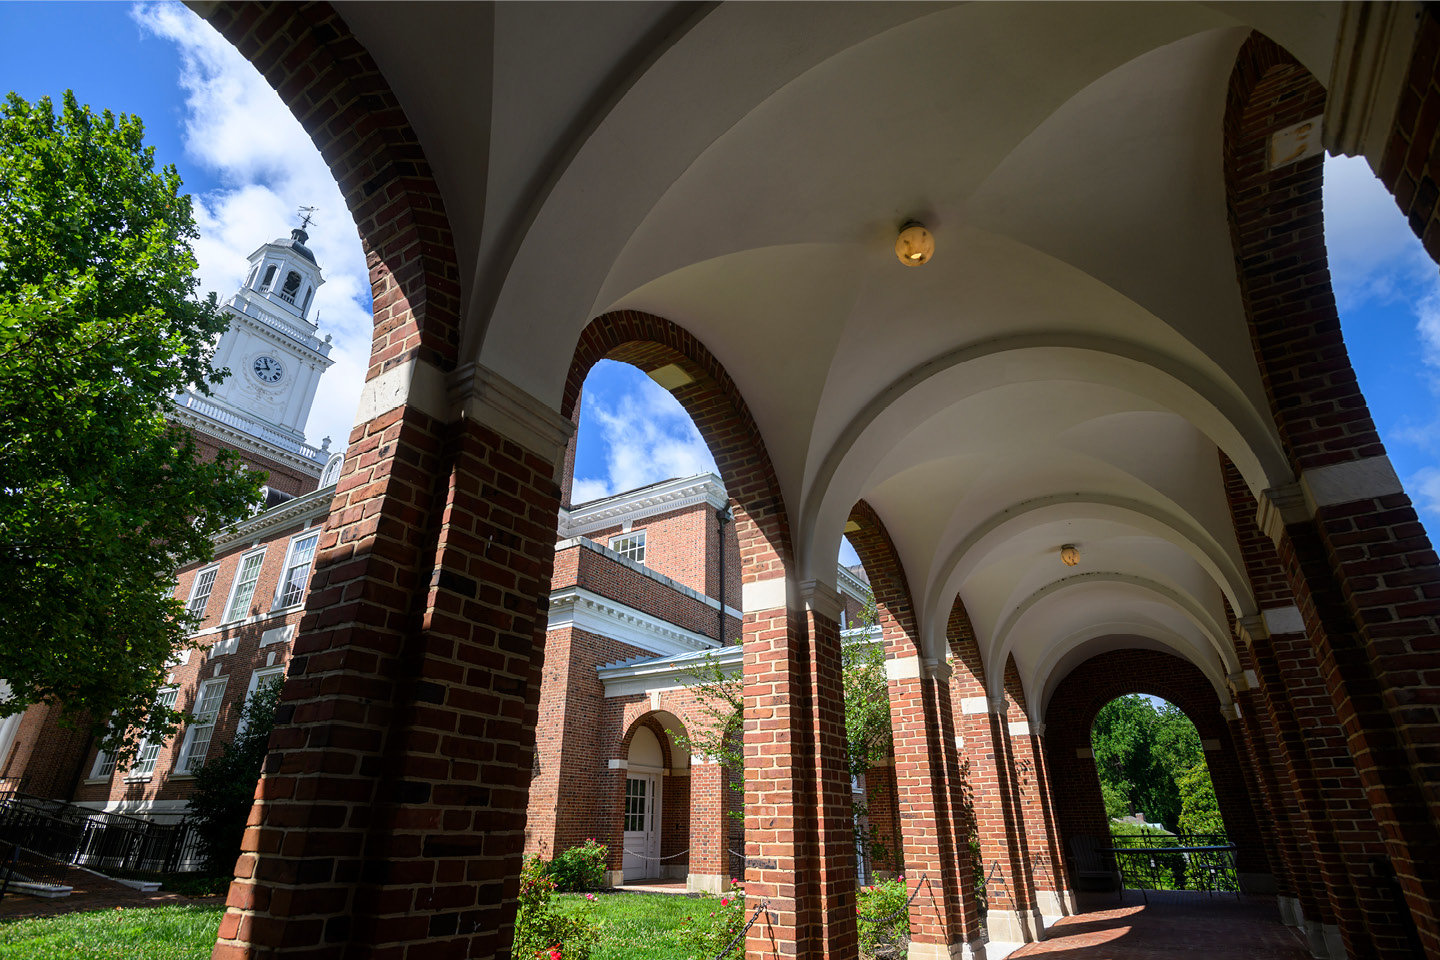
{"x": 642, "y": 828}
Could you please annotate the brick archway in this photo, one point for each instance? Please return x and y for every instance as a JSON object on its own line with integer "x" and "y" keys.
{"x": 1070, "y": 715}
{"x": 1362, "y": 572}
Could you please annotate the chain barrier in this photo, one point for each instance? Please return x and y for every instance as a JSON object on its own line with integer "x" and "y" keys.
{"x": 759, "y": 909}
{"x": 924, "y": 879}
{"x": 642, "y": 856}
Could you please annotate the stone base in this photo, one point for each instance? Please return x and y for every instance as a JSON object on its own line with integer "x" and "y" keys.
{"x": 614, "y": 878}
{"x": 1314, "y": 932}
{"x": 978, "y": 950}
{"x": 1334, "y": 944}
{"x": 706, "y": 883}
{"x": 1014, "y": 926}
{"x": 1290, "y": 912}
{"x": 1055, "y": 905}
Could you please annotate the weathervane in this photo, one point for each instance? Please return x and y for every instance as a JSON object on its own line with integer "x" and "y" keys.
{"x": 309, "y": 214}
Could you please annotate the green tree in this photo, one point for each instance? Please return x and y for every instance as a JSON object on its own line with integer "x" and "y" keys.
{"x": 101, "y": 500}
{"x": 225, "y": 786}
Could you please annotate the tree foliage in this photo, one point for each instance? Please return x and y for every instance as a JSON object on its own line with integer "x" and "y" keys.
{"x": 101, "y": 501}
{"x": 1151, "y": 761}
{"x": 225, "y": 786}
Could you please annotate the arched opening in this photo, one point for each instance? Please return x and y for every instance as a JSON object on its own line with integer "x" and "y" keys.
{"x": 1157, "y": 791}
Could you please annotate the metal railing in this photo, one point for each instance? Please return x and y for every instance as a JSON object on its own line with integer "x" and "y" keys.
{"x": 1193, "y": 861}
{"x": 291, "y": 329}
{"x": 68, "y": 833}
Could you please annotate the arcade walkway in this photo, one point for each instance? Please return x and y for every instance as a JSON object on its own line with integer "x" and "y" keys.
{"x": 1176, "y": 926}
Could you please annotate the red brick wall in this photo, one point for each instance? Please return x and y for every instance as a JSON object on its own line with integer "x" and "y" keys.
{"x": 283, "y": 478}
{"x": 577, "y": 566}
{"x": 47, "y": 754}
{"x": 1079, "y": 807}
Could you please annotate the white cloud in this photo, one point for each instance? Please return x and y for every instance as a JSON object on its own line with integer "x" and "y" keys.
{"x": 647, "y": 437}
{"x": 1374, "y": 256}
{"x": 237, "y": 128}
{"x": 1424, "y": 489}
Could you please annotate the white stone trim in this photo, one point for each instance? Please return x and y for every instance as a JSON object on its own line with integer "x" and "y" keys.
{"x": 1347, "y": 482}
{"x": 413, "y": 383}
{"x": 1210, "y": 746}
{"x": 589, "y": 611}
{"x": 619, "y": 765}
{"x": 305, "y": 509}
{"x": 1020, "y": 728}
{"x": 1299, "y": 141}
{"x": 647, "y": 676}
{"x": 640, "y": 568}
{"x": 979, "y": 950}
{"x": 763, "y": 595}
{"x": 850, "y": 585}
{"x": 715, "y": 883}
{"x": 1278, "y": 507}
{"x": 902, "y": 668}
{"x": 821, "y": 599}
{"x": 475, "y": 392}
{"x": 1280, "y": 620}
{"x": 648, "y": 501}
{"x": 277, "y": 635}
{"x": 1230, "y": 711}
{"x": 1367, "y": 78}
{"x": 199, "y": 422}
{"x": 973, "y": 705}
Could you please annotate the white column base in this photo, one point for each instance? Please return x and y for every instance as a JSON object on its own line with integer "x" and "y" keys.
{"x": 706, "y": 883}
{"x": 1315, "y": 939}
{"x": 1055, "y": 905}
{"x": 1014, "y": 926}
{"x": 614, "y": 878}
{"x": 1290, "y": 913}
{"x": 1334, "y": 944}
{"x": 979, "y": 950}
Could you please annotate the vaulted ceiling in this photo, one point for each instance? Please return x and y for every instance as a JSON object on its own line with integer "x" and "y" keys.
{"x": 1065, "y": 370}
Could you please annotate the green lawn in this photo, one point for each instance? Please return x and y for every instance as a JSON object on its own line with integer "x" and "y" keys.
{"x": 637, "y": 927}
{"x": 148, "y": 933}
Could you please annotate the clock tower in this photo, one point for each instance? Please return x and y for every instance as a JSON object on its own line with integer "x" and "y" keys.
{"x": 275, "y": 355}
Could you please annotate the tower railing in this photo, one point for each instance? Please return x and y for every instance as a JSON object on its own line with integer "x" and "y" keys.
{"x": 230, "y": 417}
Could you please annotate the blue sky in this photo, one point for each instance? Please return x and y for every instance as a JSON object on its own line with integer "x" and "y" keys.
{"x": 249, "y": 165}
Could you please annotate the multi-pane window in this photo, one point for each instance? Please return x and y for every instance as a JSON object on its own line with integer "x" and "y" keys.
{"x": 149, "y": 750}
{"x": 635, "y": 803}
{"x": 297, "y": 570}
{"x": 630, "y": 545}
{"x": 104, "y": 765}
{"x": 202, "y": 725}
{"x": 257, "y": 680}
{"x": 200, "y": 592}
{"x": 244, "y": 589}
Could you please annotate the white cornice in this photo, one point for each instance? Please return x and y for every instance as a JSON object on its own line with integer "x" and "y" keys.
{"x": 643, "y": 570}
{"x": 646, "y": 502}
{"x": 311, "y": 506}
{"x": 235, "y": 436}
{"x": 669, "y": 673}
{"x": 850, "y": 585}
{"x": 589, "y": 611}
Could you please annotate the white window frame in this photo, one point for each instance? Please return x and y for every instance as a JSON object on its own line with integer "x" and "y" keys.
{"x": 295, "y": 541}
{"x": 104, "y": 767}
{"x": 214, "y": 571}
{"x": 144, "y": 766}
{"x": 201, "y": 719}
{"x": 235, "y": 585}
{"x": 637, "y": 540}
{"x": 257, "y": 678}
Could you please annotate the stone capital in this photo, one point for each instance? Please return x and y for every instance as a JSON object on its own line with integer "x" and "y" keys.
{"x": 820, "y": 598}
{"x": 475, "y": 392}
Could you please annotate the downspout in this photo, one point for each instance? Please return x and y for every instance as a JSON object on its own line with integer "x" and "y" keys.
{"x": 723, "y": 516}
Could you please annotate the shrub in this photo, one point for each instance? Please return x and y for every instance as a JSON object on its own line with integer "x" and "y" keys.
{"x": 715, "y": 925}
{"x": 542, "y": 933}
{"x": 882, "y": 918}
{"x": 579, "y": 869}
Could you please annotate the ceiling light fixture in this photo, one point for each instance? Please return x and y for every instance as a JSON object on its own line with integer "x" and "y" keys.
{"x": 1070, "y": 554}
{"x": 915, "y": 245}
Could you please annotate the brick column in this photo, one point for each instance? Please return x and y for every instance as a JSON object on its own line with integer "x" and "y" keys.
{"x": 1364, "y": 576}
{"x": 944, "y": 921}
{"x": 1051, "y": 893}
{"x": 392, "y": 807}
{"x": 1020, "y": 921}
{"x": 709, "y": 827}
{"x": 798, "y": 843}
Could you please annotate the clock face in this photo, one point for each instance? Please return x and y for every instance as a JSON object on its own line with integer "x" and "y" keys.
{"x": 268, "y": 369}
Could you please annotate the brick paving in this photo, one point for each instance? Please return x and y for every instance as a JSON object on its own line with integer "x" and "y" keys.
{"x": 90, "y": 892}
{"x": 1171, "y": 926}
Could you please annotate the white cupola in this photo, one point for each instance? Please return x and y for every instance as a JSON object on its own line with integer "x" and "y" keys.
{"x": 273, "y": 351}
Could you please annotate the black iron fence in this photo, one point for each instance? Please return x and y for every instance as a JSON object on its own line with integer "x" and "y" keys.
{"x": 1185, "y": 861}
{"x": 68, "y": 833}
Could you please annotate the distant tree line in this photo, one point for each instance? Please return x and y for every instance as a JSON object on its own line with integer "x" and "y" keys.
{"x": 1150, "y": 761}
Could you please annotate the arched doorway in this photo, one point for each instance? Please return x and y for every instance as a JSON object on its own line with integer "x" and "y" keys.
{"x": 644, "y": 803}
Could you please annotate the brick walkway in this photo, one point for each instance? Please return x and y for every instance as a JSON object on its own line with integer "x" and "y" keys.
{"x": 90, "y": 893}
{"x": 1171, "y": 927}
